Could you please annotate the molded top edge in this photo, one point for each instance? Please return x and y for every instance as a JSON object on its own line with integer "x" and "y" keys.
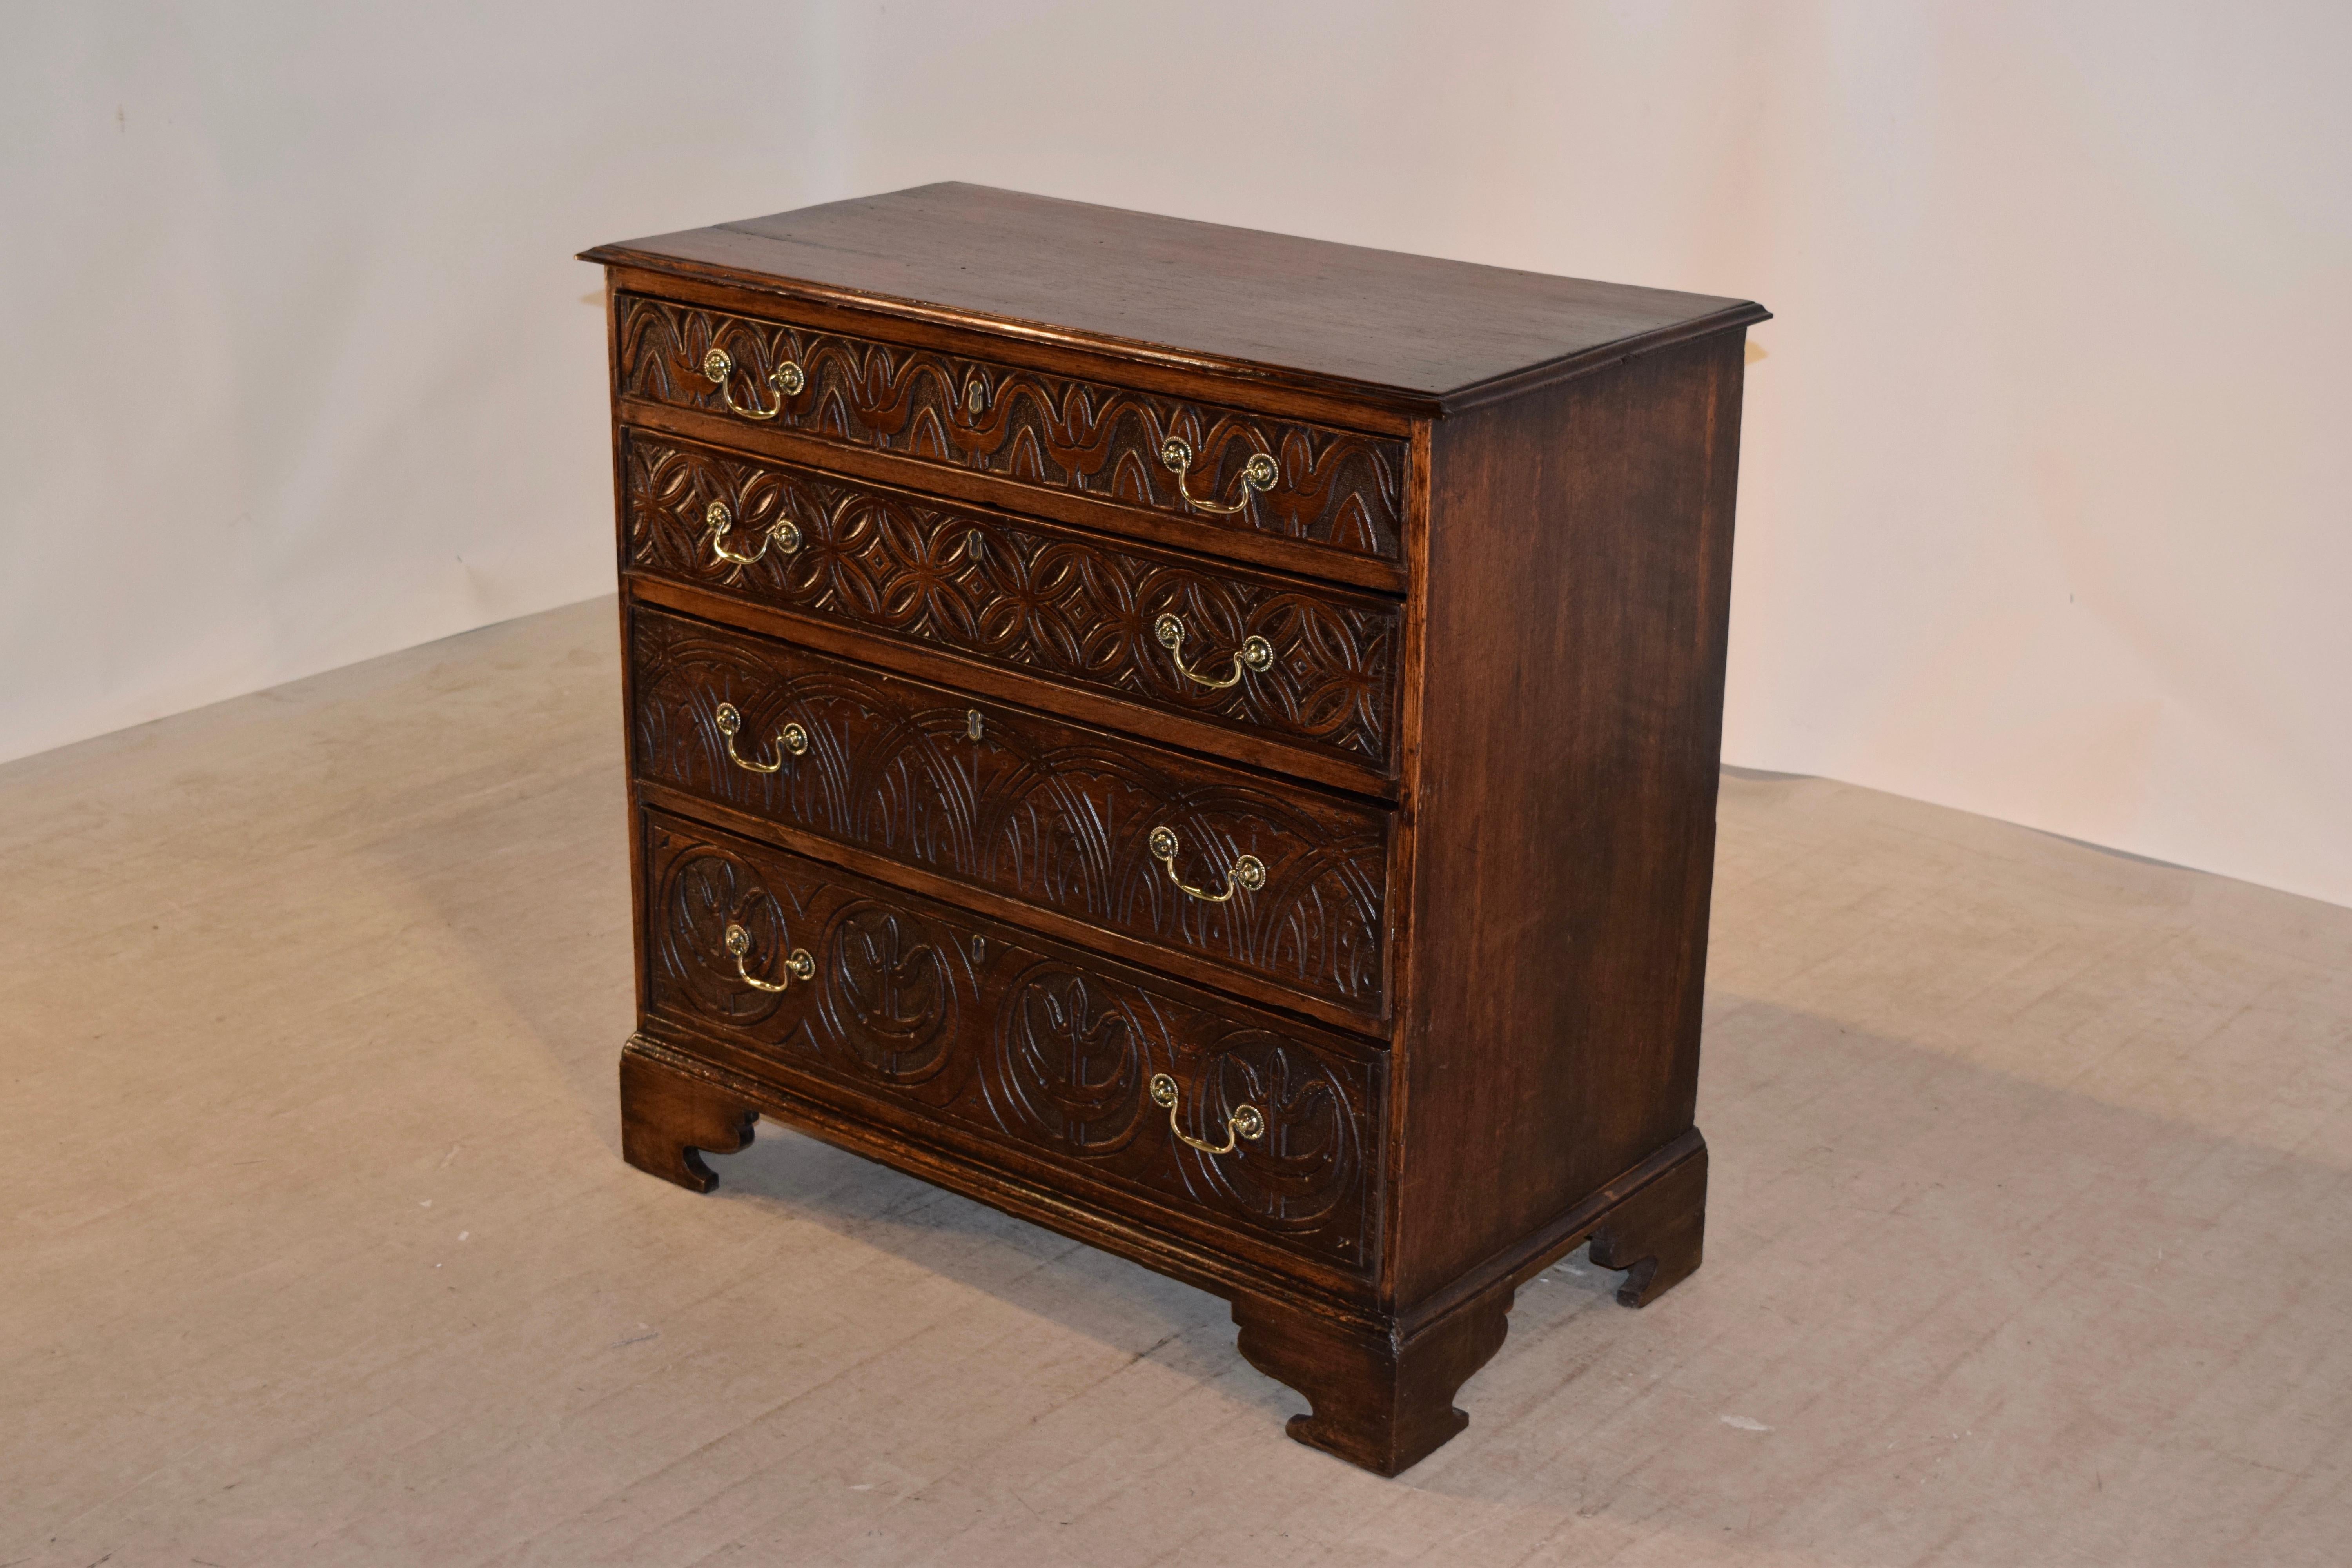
{"x": 1412, "y": 332}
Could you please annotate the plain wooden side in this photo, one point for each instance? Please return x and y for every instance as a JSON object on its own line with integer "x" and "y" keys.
{"x": 1578, "y": 598}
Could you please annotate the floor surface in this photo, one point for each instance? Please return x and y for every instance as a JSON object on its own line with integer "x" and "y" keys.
{"x": 2029, "y": 1242}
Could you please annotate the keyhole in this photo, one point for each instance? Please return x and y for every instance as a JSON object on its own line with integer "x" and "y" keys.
{"x": 973, "y": 725}
{"x": 975, "y": 395}
{"x": 975, "y": 545}
{"x": 979, "y": 950}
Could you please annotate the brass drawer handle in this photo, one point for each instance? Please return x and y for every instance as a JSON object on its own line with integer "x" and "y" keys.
{"x": 799, "y": 966}
{"x": 1260, "y": 473}
{"x": 783, "y": 534}
{"x": 1249, "y": 872}
{"x": 786, "y": 378}
{"x": 1255, "y": 653}
{"x": 792, "y": 740}
{"x": 1247, "y": 1121}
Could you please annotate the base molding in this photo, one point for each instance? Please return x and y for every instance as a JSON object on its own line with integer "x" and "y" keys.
{"x": 1658, "y": 1234}
{"x": 671, "y": 1075}
{"x": 1382, "y": 1400}
{"x": 669, "y": 1119}
{"x": 1380, "y": 1384}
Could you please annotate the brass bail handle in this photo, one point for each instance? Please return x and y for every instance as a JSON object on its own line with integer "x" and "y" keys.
{"x": 1248, "y": 877}
{"x": 1247, "y": 1121}
{"x": 798, "y": 966}
{"x": 791, "y": 740}
{"x": 786, "y": 378}
{"x": 1260, "y": 473}
{"x": 783, "y": 534}
{"x": 1255, "y": 653}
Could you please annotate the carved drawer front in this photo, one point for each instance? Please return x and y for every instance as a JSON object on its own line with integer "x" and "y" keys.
{"x": 1284, "y": 882}
{"x": 986, "y": 1037}
{"x": 1309, "y": 666}
{"x": 1225, "y": 467}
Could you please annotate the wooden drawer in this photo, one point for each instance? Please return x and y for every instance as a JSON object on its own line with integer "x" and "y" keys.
{"x": 989, "y": 1038}
{"x": 1053, "y": 814}
{"x": 1335, "y": 488}
{"x": 1049, "y": 600}
{"x": 935, "y": 853}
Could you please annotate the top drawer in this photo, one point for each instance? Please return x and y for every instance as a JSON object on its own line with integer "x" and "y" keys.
{"x": 1218, "y": 465}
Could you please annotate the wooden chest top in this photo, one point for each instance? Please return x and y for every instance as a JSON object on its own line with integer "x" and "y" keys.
{"x": 1415, "y": 332}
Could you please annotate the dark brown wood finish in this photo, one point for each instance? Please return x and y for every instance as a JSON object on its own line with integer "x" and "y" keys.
{"x": 986, "y": 1037}
{"x": 1041, "y": 811}
{"x": 1566, "y": 782}
{"x": 1502, "y": 907}
{"x": 1334, "y": 488}
{"x": 1382, "y": 1397}
{"x": 1272, "y": 551}
{"x": 1394, "y": 330}
{"x": 977, "y": 338}
{"x": 1007, "y": 684}
{"x": 1051, "y": 601}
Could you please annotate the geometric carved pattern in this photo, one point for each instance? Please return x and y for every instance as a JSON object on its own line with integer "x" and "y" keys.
{"x": 1029, "y": 1043}
{"x": 1039, "y": 810}
{"x": 1335, "y": 487}
{"x": 1060, "y": 603}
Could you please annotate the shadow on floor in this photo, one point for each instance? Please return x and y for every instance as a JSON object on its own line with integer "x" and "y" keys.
{"x": 1947, "y": 1313}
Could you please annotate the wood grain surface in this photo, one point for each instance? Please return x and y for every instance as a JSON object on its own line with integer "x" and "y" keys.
{"x": 997, "y": 1040}
{"x": 362, "y": 1276}
{"x": 1213, "y": 297}
{"x": 1047, "y": 600}
{"x": 1048, "y": 813}
{"x": 1535, "y": 477}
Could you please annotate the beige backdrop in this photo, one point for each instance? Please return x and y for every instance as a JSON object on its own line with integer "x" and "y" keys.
{"x": 2043, "y": 506}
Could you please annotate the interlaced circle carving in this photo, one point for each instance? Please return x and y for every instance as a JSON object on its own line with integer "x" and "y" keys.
{"x": 1020, "y": 1041}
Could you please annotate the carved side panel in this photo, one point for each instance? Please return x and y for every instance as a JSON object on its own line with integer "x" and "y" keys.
{"x": 1063, "y": 605}
{"x": 1036, "y": 809}
{"x": 1337, "y": 486}
{"x": 1017, "y": 1042}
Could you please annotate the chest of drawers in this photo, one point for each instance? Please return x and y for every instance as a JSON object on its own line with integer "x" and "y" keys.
{"x": 1202, "y": 739}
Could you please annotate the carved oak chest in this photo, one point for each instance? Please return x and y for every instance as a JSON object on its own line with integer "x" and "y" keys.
{"x": 1202, "y": 739}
